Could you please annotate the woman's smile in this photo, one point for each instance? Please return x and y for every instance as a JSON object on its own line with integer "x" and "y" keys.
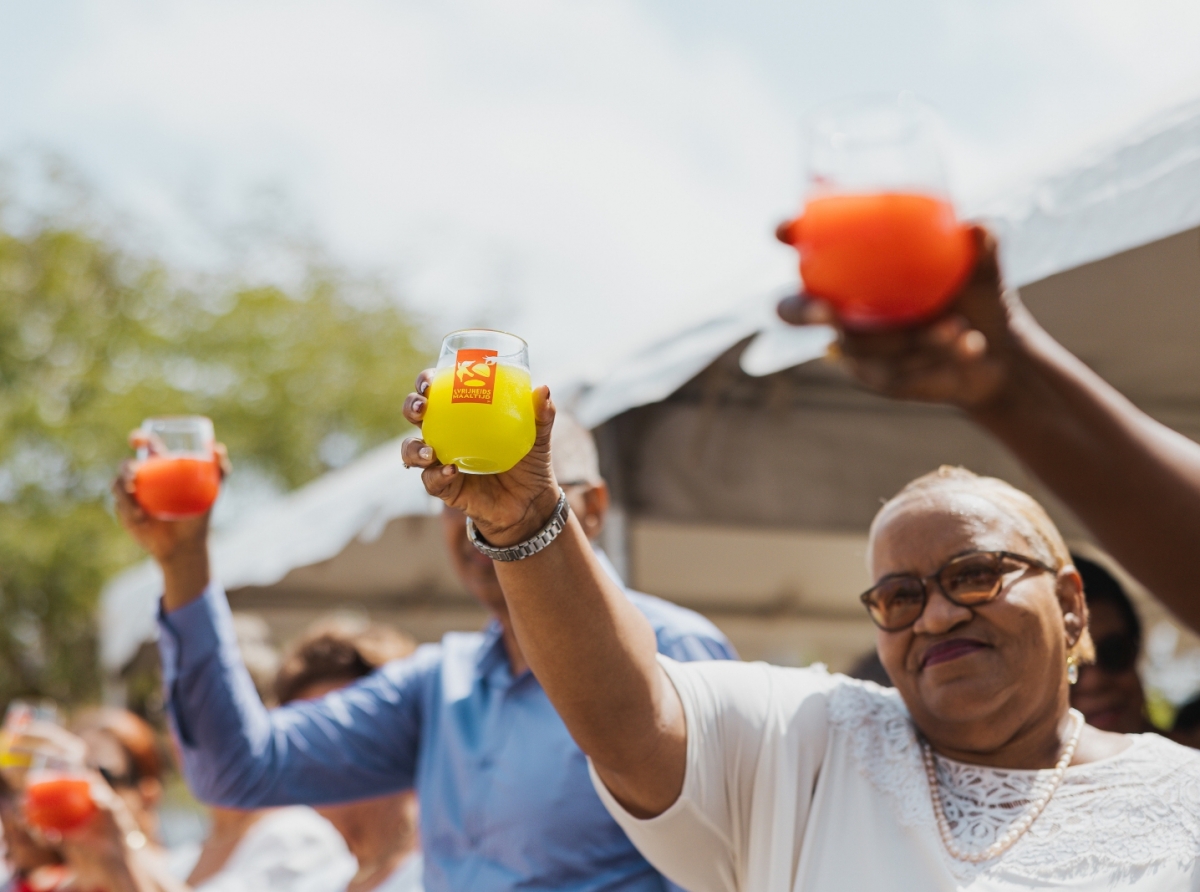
{"x": 951, "y": 649}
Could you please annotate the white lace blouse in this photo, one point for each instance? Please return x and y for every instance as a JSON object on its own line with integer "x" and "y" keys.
{"x": 801, "y": 781}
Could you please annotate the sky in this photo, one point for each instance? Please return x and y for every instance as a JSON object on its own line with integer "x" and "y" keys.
{"x": 590, "y": 175}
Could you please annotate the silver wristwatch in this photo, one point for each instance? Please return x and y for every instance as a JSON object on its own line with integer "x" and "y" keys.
{"x": 531, "y": 546}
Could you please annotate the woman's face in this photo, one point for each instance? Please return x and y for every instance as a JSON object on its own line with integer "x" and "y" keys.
{"x": 973, "y": 678}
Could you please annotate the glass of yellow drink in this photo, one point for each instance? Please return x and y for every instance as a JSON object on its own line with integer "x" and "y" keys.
{"x": 480, "y": 412}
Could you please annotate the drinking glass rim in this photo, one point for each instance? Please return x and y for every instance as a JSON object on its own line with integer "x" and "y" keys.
{"x": 154, "y": 418}
{"x": 911, "y": 112}
{"x": 524, "y": 345}
{"x": 207, "y": 431}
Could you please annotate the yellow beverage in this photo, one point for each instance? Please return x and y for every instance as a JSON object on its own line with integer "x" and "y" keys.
{"x": 485, "y": 429}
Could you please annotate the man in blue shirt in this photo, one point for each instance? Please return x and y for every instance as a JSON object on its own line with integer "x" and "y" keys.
{"x": 506, "y": 801}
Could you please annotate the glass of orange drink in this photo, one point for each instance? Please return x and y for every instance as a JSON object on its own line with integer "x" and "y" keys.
{"x": 57, "y": 787}
{"x": 878, "y": 238}
{"x": 177, "y": 474}
{"x": 480, "y": 411}
{"x": 58, "y": 795}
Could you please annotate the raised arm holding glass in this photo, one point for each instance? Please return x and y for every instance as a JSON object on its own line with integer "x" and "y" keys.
{"x": 1133, "y": 481}
{"x": 974, "y": 773}
{"x": 506, "y": 802}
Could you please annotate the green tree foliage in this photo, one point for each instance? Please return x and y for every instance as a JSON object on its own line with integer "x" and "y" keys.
{"x": 92, "y": 341}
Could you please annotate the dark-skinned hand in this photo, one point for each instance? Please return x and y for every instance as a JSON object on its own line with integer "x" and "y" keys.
{"x": 963, "y": 357}
{"x": 507, "y": 508}
{"x": 162, "y": 539}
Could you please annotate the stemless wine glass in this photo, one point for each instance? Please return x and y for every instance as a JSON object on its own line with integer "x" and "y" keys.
{"x": 480, "y": 411}
{"x": 878, "y": 238}
{"x": 19, "y": 715}
{"x": 177, "y": 474}
{"x": 58, "y": 793}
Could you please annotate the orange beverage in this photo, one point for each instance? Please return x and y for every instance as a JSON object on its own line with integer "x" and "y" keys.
{"x": 883, "y": 258}
{"x": 61, "y": 802}
{"x": 879, "y": 239}
{"x": 177, "y": 474}
{"x": 174, "y": 488}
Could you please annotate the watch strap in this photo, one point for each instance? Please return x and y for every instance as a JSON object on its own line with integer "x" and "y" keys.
{"x": 531, "y": 546}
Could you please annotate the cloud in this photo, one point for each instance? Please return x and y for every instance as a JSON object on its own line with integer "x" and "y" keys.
{"x": 590, "y": 174}
{"x": 563, "y": 167}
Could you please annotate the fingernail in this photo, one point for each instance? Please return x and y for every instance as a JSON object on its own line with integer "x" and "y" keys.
{"x": 448, "y": 470}
{"x": 426, "y": 453}
{"x": 424, "y": 386}
{"x": 418, "y": 404}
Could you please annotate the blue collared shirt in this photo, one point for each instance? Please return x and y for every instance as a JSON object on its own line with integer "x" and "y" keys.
{"x": 506, "y": 800}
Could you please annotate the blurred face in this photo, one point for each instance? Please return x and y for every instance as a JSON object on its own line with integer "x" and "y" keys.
{"x": 973, "y": 677}
{"x": 589, "y": 502}
{"x": 1110, "y": 698}
{"x": 1190, "y": 737}
{"x": 106, "y": 753}
{"x": 473, "y": 570}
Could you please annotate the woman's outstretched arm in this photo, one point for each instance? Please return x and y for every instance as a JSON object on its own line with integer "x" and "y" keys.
{"x": 591, "y": 649}
{"x": 1132, "y": 480}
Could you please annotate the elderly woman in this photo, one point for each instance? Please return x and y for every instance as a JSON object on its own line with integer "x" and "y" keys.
{"x": 974, "y": 773}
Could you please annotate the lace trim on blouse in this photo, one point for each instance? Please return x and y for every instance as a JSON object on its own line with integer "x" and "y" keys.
{"x": 1123, "y": 815}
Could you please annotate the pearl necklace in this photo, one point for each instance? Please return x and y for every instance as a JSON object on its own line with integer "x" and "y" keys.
{"x": 1017, "y": 829}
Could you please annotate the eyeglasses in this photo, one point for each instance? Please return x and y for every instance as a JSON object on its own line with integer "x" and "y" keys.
{"x": 967, "y": 580}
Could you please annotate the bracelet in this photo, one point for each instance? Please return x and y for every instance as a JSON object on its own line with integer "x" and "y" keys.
{"x": 531, "y": 546}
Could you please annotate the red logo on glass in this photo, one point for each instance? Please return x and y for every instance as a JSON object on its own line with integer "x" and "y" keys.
{"x": 474, "y": 376}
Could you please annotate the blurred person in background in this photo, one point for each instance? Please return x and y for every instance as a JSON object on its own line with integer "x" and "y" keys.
{"x": 273, "y": 850}
{"x": 289, "y": 849}
{"x": 381, "y": 833}
{"x": 125, "y": 750}
{"x": 1109, "y": 691}
{"x": 869, "y": 667}
{"x": 119, "y": 849}
{"x": 31, "y": 864}
{"x": 506, "y": 799}
{"x": 1186, "y": 729}
{"x": 116, "y": 849}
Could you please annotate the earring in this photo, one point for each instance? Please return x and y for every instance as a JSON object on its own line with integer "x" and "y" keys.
{"x": 1072, "y": 669}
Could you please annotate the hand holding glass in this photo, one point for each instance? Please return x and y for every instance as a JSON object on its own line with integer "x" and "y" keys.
{"x": 177, "y": 474}
{"x": 879, "y": 239}
{"x": 48, "y": 763}
{"x": 480, "y": 411}
{"x": 58, "y": 795}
